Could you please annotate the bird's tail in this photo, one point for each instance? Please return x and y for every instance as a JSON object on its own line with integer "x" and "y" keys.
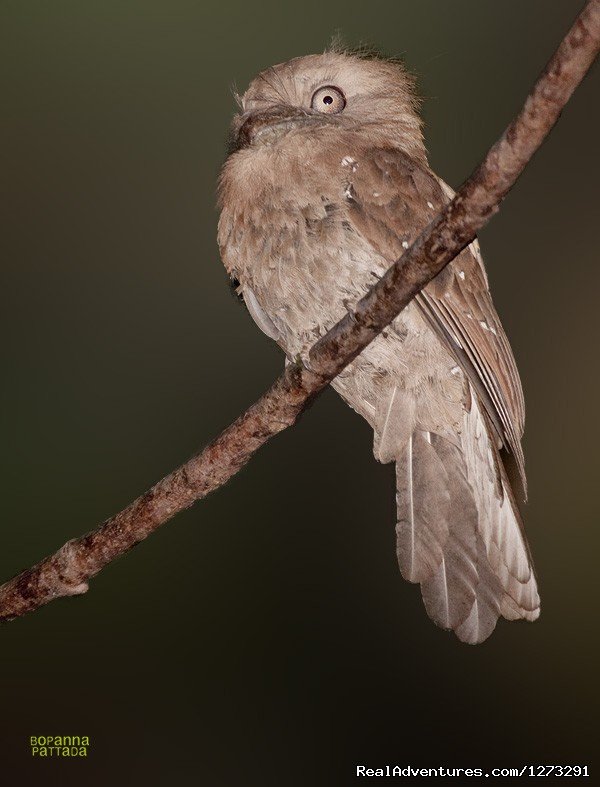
{"x": 459, "y": 532}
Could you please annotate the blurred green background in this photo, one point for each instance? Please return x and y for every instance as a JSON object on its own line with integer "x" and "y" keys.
{"x": 265, "y": 636}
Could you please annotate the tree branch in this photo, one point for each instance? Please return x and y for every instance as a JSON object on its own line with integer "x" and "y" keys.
{"x": 67, "y": 571}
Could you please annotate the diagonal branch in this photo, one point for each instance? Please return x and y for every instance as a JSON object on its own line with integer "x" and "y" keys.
{"x": 67, "y": 572}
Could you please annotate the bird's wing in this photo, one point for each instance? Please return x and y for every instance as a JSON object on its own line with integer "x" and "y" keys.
{"x": 390, "y": 199}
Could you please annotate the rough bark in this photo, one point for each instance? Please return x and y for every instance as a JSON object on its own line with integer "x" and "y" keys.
{"x": 68, "y": 571}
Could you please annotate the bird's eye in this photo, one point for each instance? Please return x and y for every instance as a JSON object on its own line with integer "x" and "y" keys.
{"x": 329, "y": 100}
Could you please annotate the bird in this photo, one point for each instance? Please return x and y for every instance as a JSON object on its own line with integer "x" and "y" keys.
{"x": 325, "y": 184}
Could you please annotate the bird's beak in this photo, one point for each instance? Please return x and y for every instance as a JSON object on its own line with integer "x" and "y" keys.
{"x": 268, "y": 126}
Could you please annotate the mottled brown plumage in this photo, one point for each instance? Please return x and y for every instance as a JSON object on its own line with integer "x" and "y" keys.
{"x": 326, "y": 184}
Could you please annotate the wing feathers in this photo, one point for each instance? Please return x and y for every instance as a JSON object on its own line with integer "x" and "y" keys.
{"x": 458, "y": 303}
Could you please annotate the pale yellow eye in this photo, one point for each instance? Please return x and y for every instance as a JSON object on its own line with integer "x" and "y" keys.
{"x": 328, "y": 99}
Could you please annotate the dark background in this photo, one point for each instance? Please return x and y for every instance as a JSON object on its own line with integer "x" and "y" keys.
{"x": 265, "y": 636}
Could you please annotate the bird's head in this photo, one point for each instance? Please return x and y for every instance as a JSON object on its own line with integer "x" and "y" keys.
{"x": 369, "y": 97}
